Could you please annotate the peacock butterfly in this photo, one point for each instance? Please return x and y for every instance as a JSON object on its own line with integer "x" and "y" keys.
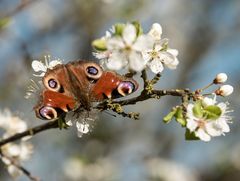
{"x": 76, "y": 85}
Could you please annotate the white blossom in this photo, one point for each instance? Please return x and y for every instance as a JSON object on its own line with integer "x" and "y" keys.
{"x": 134, "y": 51}
{"x": 225, "y": 90}
{"x": 41, "y": 67}
{"x": 220, "y": 78}
{"x": 205, "y": 128}
{"x": 160, "y": 56}
{"x": 84, "y": 122}
{"x": 12, "y": 153}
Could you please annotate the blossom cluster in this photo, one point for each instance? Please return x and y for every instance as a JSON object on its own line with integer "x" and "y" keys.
{"x": 126, "y": 46}
{"x": 204, "y": 117}
{"x": 11, "y": 153}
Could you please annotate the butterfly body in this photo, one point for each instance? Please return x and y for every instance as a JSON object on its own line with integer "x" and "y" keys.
{"x": 76, "y": 85}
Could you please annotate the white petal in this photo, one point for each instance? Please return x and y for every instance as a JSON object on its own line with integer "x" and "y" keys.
{"x": 83, "y": 128}
{"x": 167, "y": 58}
{"x": 156, "y": 31}
{"x": 190, "y": 114}
{"x": 38, "y": 66}
{"x": 174, "y": 64}
{"x": 53, "y": 63}
{"x": 191, "y": 125}
{"x": 14, "y": 171}
{"x": 202, "y": 135}
{"x": 129, "y": 34}
{"x": 223, "y": 107}
{"x": 213, "y": 129}
{"x": 115, "y": 43}
{"x": 156, "y": 66}
{"x": 116, "y": 61}
{"x": 136, "y": 61}
{"x": 14, "y": 150}
{"x": 174, "y": 52}
{"x": 143, "y": 42}
{"x": 69, "y": 122}
{"x": 223, "y": 124}
{"x": 208, "y": 101}
{"x": 146, "y": 56}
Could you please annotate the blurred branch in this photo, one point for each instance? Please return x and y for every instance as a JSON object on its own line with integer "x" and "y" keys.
{"x": 21, "y": 168}
{"x": 23, "y": 4}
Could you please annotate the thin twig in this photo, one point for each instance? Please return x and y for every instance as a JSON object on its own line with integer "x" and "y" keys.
{"x": 20, "y": 167}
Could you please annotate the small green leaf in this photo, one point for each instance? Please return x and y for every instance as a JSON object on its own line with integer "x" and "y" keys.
{"x": 179, "y": 117}
{"x": 99, "y": 44}
{"x": 138, "y": 27}
{"x": 62, "y": 123}
{"x": 197, "y": 109}
{"x": 212, "y": 112}
{"x": 4, "y": 22}
{"x": 169, "y": 116}
{"x": 119, "y": 29}
{"x": 190, "y": 135}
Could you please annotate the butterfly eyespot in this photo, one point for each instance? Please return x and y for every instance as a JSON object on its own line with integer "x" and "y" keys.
{"x": 52, "y": 83}
{"x": 126, "y": 87}
{"x": 48, "y": 113}
{"x": 93, "y": 71}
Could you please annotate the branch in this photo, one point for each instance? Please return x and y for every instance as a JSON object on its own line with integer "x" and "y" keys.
{"x": 30, "y": 132}
{"x": 23, "y": 4}
{"x": 21, "y": 168}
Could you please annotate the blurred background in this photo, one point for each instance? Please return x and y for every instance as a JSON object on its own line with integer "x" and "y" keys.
{"x": 207, "y": 35}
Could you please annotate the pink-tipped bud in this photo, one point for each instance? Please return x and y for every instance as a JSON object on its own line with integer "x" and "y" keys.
{"x": 220, "y": 78}
{"x": 224, "y": 90}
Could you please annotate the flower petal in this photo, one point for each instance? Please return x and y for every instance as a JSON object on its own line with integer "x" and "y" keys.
{"x": 38, "y": 66}
{"x": 116, "y": 61}
{"x": 191, "y": 125}
{"x": 202, "y": 135}
{"x": 156, "y": 31}
{"x": 143, "y": 42}
{"x": 129, "y": 34}
{"x": 115, "y": 43}
{"x": 53, "y": 63}
{"x": 156, "y": 66}
{"x": 136, "y": 61}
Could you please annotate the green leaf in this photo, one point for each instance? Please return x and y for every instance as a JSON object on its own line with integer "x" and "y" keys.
{"x": 197, "y": 109}
{"x": 4, "y": 22}
{"x": 119, "y": 29}
{"x": 99, "y": 44}
{"x": 138, "y": 27}
{"x": 190, "y": 136}
{"x": 62, "y": 123}
{"x": 179, "y": 117}
{"x": 169, "y": 116}
{"x": 212, "y": 112}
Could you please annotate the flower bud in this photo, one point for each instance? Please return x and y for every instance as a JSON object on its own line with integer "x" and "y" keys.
{"x": 156, "y": 31}
{"x": 220, "y": 78}
{"x": 224, "y": 90}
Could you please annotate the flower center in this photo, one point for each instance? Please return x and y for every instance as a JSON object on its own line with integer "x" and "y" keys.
{"x": 153, "y": 54}
{"x": 201, "y": 123}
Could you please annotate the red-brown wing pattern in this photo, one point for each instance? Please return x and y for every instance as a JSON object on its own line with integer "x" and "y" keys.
{"x": 112, "y": 85}
{"x": 78, "y": 84}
